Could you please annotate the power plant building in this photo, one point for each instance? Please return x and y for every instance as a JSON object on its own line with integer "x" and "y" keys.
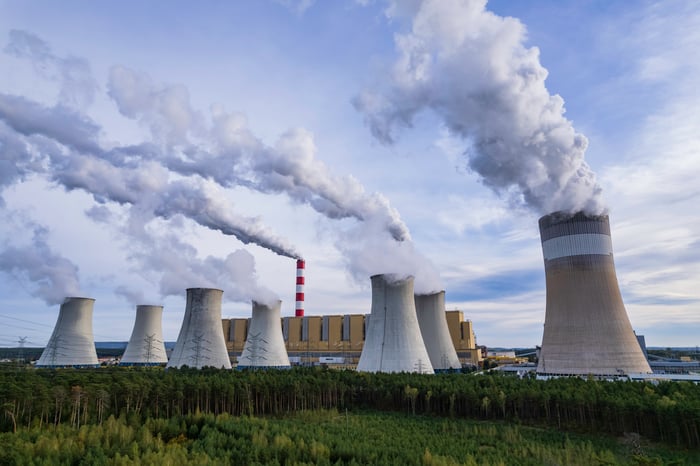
{"x": 264, "y": 345}
{"x": 587, "y": 330}
{"x": 342, "y": 338}
{"x": 72, "y": 343}
{"x": 201, "y": 340}
{"x": 430, "y": 309}
{"x": 146, "y": 346}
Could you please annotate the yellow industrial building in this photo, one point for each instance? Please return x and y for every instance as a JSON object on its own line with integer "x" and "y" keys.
{"x": 337, "y": 340}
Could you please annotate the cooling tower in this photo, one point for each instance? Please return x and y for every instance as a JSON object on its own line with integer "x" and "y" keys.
{"x": 72, "y": 343}
{"x": 146, "y": 346}
{"x": 430, "y": 309}
{"x": 201, "y": 340}
{"x": 586, "y": 329}
{"x": 393, "y": 341}
{"x": 264, "y": 346}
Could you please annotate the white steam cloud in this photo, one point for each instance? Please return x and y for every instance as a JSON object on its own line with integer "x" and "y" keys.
{"x": 472, "y": 69}
{"x": 182, "y": 171}
{"x": 36, "y": 267}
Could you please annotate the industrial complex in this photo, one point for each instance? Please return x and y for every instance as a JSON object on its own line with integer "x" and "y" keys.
{"x": 587, "y": 331}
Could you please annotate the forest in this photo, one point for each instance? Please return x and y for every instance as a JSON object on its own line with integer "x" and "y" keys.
{"x": 62, "y": 406}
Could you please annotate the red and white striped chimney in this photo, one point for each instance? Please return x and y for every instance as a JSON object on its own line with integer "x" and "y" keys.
{"x": 301, "y": 264}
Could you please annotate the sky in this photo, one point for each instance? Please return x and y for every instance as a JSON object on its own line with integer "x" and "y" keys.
{"x": 148, "y": 147}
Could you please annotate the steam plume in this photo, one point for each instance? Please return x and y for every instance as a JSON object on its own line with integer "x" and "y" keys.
{"x": 471, "y": 68}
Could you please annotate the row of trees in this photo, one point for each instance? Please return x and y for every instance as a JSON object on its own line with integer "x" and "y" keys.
{"x": 669, "y": 411}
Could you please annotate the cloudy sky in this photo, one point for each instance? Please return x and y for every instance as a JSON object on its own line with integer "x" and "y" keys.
{"x": 150, "y": 147}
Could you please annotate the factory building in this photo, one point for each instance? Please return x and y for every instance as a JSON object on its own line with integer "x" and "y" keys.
{"x": 337, "y": 340}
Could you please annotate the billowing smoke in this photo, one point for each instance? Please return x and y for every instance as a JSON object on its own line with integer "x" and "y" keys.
{"x": 472, "y": 69}
{"x": 67, "y": 148}
{"x": 368, "y": 250}
{"x": 235, "y": 157}
{"x": 36, "y": 267}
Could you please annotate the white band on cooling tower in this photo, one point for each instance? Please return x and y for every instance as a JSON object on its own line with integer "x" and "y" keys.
{"x": 577, "y": 245}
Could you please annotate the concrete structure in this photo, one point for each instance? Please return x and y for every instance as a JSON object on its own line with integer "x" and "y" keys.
{"x": 201, "y": 340}
{"x": 301, "y": 265}
{"x": 146, "y": 346}
{"x": 586, "y": 329}
{"x": 72, "y": 343}
{"x": 430, "y": 309}
{"x": 393, "y": 340}
{"x": 343, "y": 337}
{"x": 264, "y": 346}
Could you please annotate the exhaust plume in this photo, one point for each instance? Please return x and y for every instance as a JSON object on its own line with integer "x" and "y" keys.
{"x": 472, "y": 69}
{"x": 51, "y": 276}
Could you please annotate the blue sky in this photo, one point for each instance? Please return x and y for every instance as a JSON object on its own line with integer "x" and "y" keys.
{"x": 274, "y": 81}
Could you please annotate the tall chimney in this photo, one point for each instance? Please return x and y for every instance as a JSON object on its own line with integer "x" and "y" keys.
{"x": 201, "y": 340}
{"x": 72, "y": 343}
{"x": 146, "y": 346}
{"x": 586, "y": 328}
{"x": 393, "y": 341}
{"x": 301, "y": 265}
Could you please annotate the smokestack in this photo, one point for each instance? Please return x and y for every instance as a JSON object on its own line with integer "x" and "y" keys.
{"x": 264, "y": 346}
{"x": 430, "y": 309}
{"x": 301, "y": 265}
{"x": 586, "y": 329}
{"x": 201, "y": 340}
{"x": 72, "y": 343}
{"x": 393, "y": 342}
{"x": 146, "y": 346}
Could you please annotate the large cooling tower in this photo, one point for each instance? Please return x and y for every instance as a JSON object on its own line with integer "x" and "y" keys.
{"x": 72, "y": 342}
{"x": 430, "y": 309}
{"x": 146, "y": 347}
{"x": 393, "y": 342}
{"x": 264, "y": 346}
{"x": 586, "y": 329}
{"x": 201, "y": 340}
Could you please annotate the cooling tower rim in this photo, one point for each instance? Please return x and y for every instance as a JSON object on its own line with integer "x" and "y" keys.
{"x": 561, "y": 216}
{"x": 429, "y": 293}
{"x": 204, "y": 289}
{"x": 262, "y": 304}
{"x": 393, "y": 277}
{"x": 71, "y": 298}
{"x": 141, "y": 306}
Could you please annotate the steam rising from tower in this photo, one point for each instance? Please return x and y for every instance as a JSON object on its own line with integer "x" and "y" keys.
{"x": 586, "y": 330}
{"x": 201, "y": 340}
{"x": 393, "y": 342}
{"x": 299, "y": 311}
{"x": 146, "y": 346}
{"x": 72, "y": 342}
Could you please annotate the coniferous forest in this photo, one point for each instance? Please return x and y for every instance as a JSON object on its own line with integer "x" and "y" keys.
{"x": 317, "y": 416}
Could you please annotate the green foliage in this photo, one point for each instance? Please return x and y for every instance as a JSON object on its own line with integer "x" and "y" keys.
{"x": 154, "y": 412}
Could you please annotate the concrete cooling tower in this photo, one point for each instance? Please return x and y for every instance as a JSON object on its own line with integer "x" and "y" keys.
{"x": 393, "y": 341}
{"x": 430, "y": 309}
{"x": 146, "y": 346}
{"x": 201, "y": 340}
{"x": 264, "y": 346}
{"x": 72, "y": 343}
{"x": 586, "y": 328}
